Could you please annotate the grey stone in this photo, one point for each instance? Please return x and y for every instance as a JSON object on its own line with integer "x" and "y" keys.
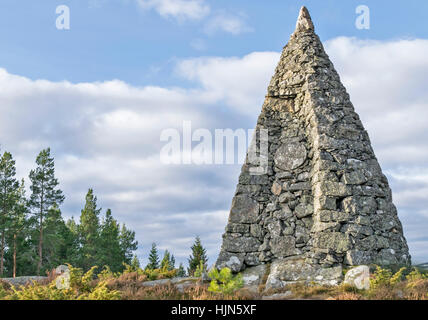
{"x": 244, "y": 210}
{"x": 284, "y": 246}
{"x": 285, "y": 197}
{"x": 254, "y": 275}
{"x": 304, "y": 210}
{"x": 256, "y": 231}
{"x": 357, "y": 257}
{"x": 284, "y": 213}
{"x": 241, "y": 244}
{"x": 237, "y": 228}
{"x": 300, "y": 186}
{"x": 354, "y": 177}
{"x": 387, "y": 257}
{"x": 358, "y": 277}
{"x": 252, "y": 259}
{"x": 290, "y": 155}
{"x": 18, "y": 281}
{"x": 333, "y": 189}
{"x": 275, "y": 228}
{"x": 233, "y": 261}
{"x": 283, "y": 272}
{"x": 336, "y": 241}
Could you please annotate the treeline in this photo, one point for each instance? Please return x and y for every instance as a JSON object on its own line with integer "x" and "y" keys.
{"x": 197, "y": 261}
{"x": 34, "y": 237}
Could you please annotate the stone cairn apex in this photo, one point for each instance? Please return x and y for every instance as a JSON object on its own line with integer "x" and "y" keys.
{"x": 324, "y": 203}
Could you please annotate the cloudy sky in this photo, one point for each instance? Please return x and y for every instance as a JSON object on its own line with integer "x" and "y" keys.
{"x": 101, "y": 93}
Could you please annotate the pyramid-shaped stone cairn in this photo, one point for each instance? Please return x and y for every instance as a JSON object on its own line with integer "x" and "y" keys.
{"x": 324, "y": 203}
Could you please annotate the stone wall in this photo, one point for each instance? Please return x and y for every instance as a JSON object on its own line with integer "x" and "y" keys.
{"x": 324, "y": 202}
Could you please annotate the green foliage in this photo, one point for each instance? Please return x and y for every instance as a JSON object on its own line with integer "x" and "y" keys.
{"x": 9, "y": 190}
{"x": 107, "y": 274}
{"x": 198, "y": 256}
{"x": 128, "y": 244}
{"x": 168, "y": 261}
{"x": 109, "y": 251}
{"x": 380, "y": 277}
{"x": 135, "y": 263}
{"x": 151, "y": 274}
{"x": 34, "y": 238}
{"x": 398, "y": 276}
{"x": 82, "y": 287}
{"x": 416, "y": 275}
{"x": 89, "y": 229}
{"x": 153, "y": 258}
{"x": 103, "y": 243}
{"x": 385, "y": 277}
{"x": 44, "y": 195}
{"x": 200, "y": 269}
{"x": 55, "y": 236}
{"x": 3, "y": 292}
{"x": 224, "y": 282}
{"x": 181, "y": 272}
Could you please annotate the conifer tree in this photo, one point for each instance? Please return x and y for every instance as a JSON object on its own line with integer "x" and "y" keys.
{"x": 44, "y": 194}
{"x": 197, "y": 257}
{"x": 56, "y": 237}
{"x": 18, "y": 223}
{"x": 89, "y": 231}
{"x": 165, "y": 263}
{"x": 153, "y": 258}
{"x": 135, "y": 263}
{"x": 8, "y": 196}
{"x": 128, "y": 244}
{"x": 172, "y": 262}
{"x": 181, "y": 272}
{"x": 110, "y": 251}
{"x": 72, "y": 243}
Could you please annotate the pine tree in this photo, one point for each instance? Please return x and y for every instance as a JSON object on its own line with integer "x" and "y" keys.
{"x": 181, "y": 272}
{"x": 18, "y": 223}
{"x": 44, "y": 194}
{"x": 172, "y": 262}
{"x": 165, "y": 263}
{"x": 8, "y": 196}
{"x": 89, "y": 231}
{"x": 128, "y": 244}
{"x": 71, "y": 243}
{"x": 110, "y": 252}
{"x": 153, "y": 258}
{"x": 135, "y": 263}
{"x": 197, "y": 257}
{"x": 56, "y": 237}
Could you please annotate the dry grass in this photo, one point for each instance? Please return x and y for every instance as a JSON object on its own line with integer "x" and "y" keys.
{"x": 131, "y": 286}
{"x": 135, "y": 290}
{"x": 347, "y": 296}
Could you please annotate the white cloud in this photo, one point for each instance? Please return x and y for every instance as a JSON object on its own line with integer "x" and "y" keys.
{"x": 106, "y": 135}
{"x": 196, "y": 10}
{"x": 178, "y": 9}
{"x": 227, "y": 22}
{"x": 240, "y": 81}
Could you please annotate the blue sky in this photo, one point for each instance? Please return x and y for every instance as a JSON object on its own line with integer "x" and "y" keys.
{"x": 112, "y": 39}
{"x": 101, "y": 93}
